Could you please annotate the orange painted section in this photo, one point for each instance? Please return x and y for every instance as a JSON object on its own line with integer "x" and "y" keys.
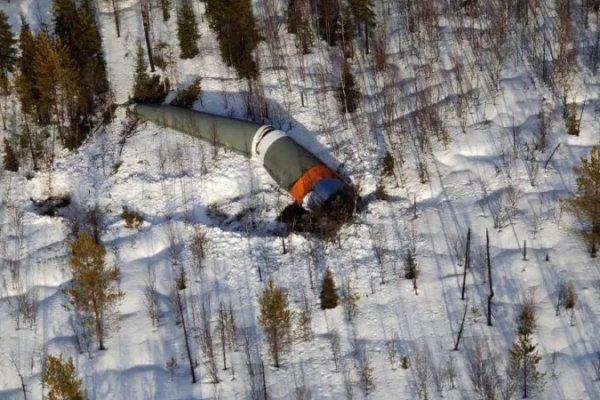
{"x": 307, "y": 181}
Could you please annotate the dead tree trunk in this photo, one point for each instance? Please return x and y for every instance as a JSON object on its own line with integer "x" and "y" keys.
{"x": 460, "y": 330}
{"x": 164, "y": 4}
{"x": 146, "y": 24}
{"x": 115, "y": 5}
{"x": 185, "y": 333}
{"x": 467, "y": 262}
{"x": 489, "y": 267}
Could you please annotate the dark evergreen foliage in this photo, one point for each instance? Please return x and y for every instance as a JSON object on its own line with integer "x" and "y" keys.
{"x": 328, "y": 18}
{"x": 364, "y": 17}
{"x": 187, "y": 30}
{"x": 25, "y": 80}
{"x": 328, "y": 295}
{"x": 235, "y": 26}
{"x": 524, "y": 365}
{"x": 76, "y": 29}
{"x": 188, "y": 96}
{"x": 586, "y": 200}
{"x": 8, "y": 51}
{"x": 387, "y": 168}
{"x": 146, "y": 88}
{"x": 298, "y": 22}
{"x": 62, "y": 74}
{"x": 348, "y": 93}
{"x": 11, "y": 162}
{"x": 346, "y": 32}
{"x": 45, "y": 70}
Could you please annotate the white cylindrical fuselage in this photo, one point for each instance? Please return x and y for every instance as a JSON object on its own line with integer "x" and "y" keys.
{"x": 297, "y": 170}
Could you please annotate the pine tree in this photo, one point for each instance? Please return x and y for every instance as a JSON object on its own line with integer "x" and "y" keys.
{"x": 76, "y": 28}
{"x": 26, "y": 76}
{"x": 276, "y": 320}
{"x": 8, "y": 51}
{"x": 92, "y": 291}
{"x": 71, "y": 103}
{"x": 328, "y": 295}
{"x": 523, "y": 365}
{"x": 586, "y": 201}
{"x": 65, "y": 21}
{"x": 235, "y": 26}
{"x": 45, "y": 69}
{"x": 187, "y": 30}
{"x": 348, "y": 93}
{"x": 11, "y": 162}
{"x": 364, "y": 17}
{"x": 61, "y": 379}
{"x": 89, "y": 52}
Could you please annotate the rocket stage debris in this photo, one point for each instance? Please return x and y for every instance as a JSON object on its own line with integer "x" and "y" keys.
{"x": 313, "y": 185}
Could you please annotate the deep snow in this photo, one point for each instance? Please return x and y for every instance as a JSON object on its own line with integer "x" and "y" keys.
{"x": 176, "y": 183}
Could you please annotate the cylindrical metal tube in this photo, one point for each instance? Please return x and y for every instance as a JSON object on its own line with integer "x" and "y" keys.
{"x": 233, "y": 134}
{"x": 290, "y": 164}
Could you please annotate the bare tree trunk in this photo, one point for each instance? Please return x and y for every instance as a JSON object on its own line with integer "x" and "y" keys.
{"x": 460, "y": 331}
{"x": 164, "y": 4}
{"x": 206, "y": 339}
{"x": 467, "y": 261}
{"x": 115, "y": 5}
{"x": 21, "y": 378}
{"x": 489, "y": 266}
{"x": 185, "y": 333}
{"x": 146, "y": 23}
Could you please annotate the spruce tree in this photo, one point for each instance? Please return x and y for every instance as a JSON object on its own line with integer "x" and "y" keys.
{"x": 364, "y": 17}
{"x": 8, "y": 51}
{"x": 72, "y": 106}
{"x": 61, "y": 379}
{"x": 187, "y": 30}
{"x": 92, "y": 291}
{"x": 276, "y": 320}
{"x": 65, "y": 21}
{"x": 26, "y": 76}
{"x": 141, "y": 78}
{"x": 348, "y": 93}
{"x": 233, "y": 22}
{"x": 76, "y": 28}
{"x": 524, "y": 365}
{"x": 328, "y": 295}
{"x": 586, "y": 201}
{"x": 45, "y": 69}
{"x": 11, "y": 162}
{"x": 146, "y": 88}
{"x": 90, "y": 54}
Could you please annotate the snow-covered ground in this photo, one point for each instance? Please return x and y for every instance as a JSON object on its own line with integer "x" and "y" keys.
{"x": 178, "y": 185}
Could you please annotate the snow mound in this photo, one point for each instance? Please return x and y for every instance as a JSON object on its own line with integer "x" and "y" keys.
{"x": 49, "y": 192}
